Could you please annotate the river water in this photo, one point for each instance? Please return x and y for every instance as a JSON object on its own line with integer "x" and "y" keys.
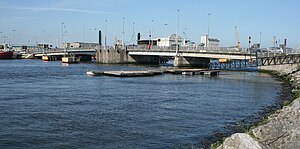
{"x": 53, "y": 105}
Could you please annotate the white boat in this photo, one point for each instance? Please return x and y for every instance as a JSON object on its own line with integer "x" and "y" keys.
{"x": 90, "y": 73}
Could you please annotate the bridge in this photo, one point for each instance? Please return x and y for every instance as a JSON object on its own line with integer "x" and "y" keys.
{"x": 85, "y": 54}
{"x": 260, "y": 60}
{"x": 196, "y": 57}
{"x": 194, "y": 53}
{"x": 183, "y": 58}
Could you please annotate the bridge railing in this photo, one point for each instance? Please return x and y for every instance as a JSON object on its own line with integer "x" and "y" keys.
{"x": 195, "y": 48}
{"x": 59, "y": 50}
{"x": 236, "y": 64}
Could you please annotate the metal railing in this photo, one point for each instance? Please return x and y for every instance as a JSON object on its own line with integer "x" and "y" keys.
{"x": 190, "y": 49}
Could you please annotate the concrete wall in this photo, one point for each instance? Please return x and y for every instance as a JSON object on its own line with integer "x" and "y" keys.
{"x": 113, "y": 56}
{"x": 145, "y": 59}
{"x": 180, "y": 61}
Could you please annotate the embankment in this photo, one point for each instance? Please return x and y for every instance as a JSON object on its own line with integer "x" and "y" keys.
{"x": 279, "y": 130}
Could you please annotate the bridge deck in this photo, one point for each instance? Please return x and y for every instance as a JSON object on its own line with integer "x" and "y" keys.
{"x": 63, "y": 52}
{"x": 194, "y": 53}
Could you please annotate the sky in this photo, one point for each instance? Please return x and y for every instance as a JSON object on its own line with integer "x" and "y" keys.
{"x": 44, "y": 21}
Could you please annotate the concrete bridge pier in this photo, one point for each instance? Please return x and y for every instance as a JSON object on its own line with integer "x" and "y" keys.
{"x": 141, "y": 59}
{"x": 111, "y": 56}
{"x": 120, "y": 56}
{"x": 181, "y": 61}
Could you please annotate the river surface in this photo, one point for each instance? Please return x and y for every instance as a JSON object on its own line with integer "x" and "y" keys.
{"x": 54, "y": 105}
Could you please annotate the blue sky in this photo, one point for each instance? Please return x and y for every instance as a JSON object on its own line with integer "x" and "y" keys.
{"x": 31, "y": 21}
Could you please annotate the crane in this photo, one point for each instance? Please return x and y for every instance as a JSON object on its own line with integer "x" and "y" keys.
{"x": 237, "y": 38}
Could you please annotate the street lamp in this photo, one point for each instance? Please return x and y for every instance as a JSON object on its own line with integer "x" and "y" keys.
{"x": 166, "y": 36}
{"x": 177, "y": 32}
{"x": 166, "y": 25}
{"x": 2, "y": 36}
{"x": 13, "y": 36}
{"x": 123, "y": 42}
{"x": 44, "y": 36}
{"x": 105, "y": 34}
{"x": 259, "y": 39}
{"x": 152, "y": 32}
{"x": 62, "y": 32}
{"x": 208, "y": 24}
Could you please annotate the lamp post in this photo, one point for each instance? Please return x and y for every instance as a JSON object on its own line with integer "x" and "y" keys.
{"x": 62, "y": 33}
{"x": 133, "y": 33}
{"x": 12, "y": 42}
{"x": 152, "y": 33}
{"x": 208, "y": 23}
{"x": 260, "y": 39}
{"x": 97, "y": 35}
{"x": 105, "y": 32}
{"x": 123, "y": 34}
{"x": 166, "y": 26}
{"x": 166, "y": 36}
{"x": 2, "y": 36}
{"x": 177, "y": 48}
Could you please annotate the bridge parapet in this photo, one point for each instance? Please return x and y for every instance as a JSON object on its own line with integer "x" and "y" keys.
{"x": 173, "y": 48}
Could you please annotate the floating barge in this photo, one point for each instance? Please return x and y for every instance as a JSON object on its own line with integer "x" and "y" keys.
{"x": 145, "y": 73}
{"x": 125, "y": 73}
{"x": 205, "y": 72}
{"x": 180, "y": 71}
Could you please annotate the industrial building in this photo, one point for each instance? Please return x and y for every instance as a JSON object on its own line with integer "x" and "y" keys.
{"x": 209, "y": 42}
{"x": 76, "y": 45}
{"x": 166, "y": 42}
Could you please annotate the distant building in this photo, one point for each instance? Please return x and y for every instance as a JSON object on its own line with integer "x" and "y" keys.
{"x": 209, "y": 42}
{"x": 44, "y": 46}
{"x": 77, "y": 45}
{"x": 166, "y": 42}
{"x": 147, "y": 42}
{"x": 170, "y": 41}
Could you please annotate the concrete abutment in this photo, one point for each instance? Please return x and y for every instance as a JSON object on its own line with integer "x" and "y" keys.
{"x": 181, "y": 61}
{"x": 114, "y": 56}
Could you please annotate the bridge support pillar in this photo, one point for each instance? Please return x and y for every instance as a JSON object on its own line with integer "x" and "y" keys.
{"x": 141, "y": 59}
{"x": 115, "y": 56}
{"x": 181, "y": 61}
{"x": 112, "y": 56}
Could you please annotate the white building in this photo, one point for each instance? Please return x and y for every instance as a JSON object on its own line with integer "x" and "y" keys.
{"x": 209, "y": 42}
{"x": 171, "y": 41}
{"x": 76, "y": 45}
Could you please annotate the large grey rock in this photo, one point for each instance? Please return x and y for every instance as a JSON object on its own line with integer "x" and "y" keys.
{"x": 282, "y": 130}
{"x": 240, "y": 141}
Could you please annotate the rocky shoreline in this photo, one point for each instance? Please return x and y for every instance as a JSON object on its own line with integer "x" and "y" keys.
{"x": 279, "y": 130}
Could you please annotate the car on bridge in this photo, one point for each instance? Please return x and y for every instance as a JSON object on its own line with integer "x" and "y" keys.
{"x": 271, "y": 50}
{"x": 275, "y": 50}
